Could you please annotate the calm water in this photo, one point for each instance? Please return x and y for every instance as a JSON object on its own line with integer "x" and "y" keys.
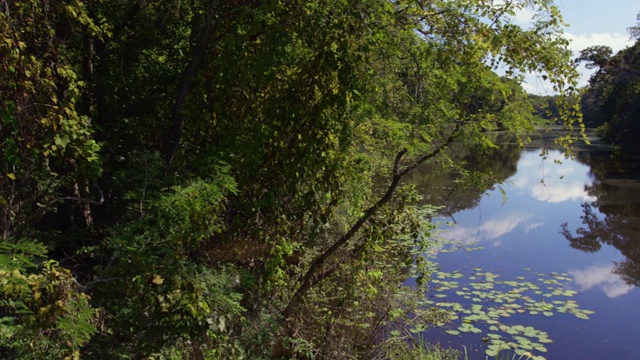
{"x": 582, "y": 218}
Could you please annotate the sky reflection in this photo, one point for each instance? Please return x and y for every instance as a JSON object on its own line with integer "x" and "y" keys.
{"x": 525, "y": 232}
{"x": 600, "y": 277}
{"x": 490, "y": 229}
{"x": 556, "y": 179}
{"x": 557, "y": 192}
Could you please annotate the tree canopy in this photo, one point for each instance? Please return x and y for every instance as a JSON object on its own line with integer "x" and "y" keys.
{"x": 611, "y": 100}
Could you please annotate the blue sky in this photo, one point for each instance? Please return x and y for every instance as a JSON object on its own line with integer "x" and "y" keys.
{"x": 591, "y": 22}
{"x": 599, "y": 16}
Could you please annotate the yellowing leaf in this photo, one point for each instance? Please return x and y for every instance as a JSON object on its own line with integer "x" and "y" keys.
{"x": 157, "y": 279}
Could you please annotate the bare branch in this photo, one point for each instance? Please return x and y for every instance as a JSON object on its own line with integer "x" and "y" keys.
{"x": 69, "y": 198}
{"x": 87, "y": 287}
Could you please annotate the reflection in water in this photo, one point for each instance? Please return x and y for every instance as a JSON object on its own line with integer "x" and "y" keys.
{"x": 490, "y": 229}
{"x": 601, "y": 277}
{"x": 616, "y": 188}
{"x": 559, "y": 192}
{"x": 589, "y": 238}
{"x": 552, "y": 184}
{"x": 592, "y": 204}
{"x": 533, "y": 226}
{"x": 610, "y": 198}
{"x": 620, "y": 230}
{"x": 463, "y": 188}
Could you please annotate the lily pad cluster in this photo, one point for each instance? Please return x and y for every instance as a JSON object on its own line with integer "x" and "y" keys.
{"x": 484, "y": 301}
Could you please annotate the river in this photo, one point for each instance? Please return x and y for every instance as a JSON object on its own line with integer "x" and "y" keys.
{"x": 575, "y": 219}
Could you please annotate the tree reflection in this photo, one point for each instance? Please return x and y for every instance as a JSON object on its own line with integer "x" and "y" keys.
{"x": 588, "y": 239}
{"x": 614, "y": 218}
{"x": 475, "y": 171}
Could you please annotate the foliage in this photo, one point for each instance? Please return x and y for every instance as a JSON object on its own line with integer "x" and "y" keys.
{"x": 44, "y": 313}
{"x": 634, "y": 31}
{"x": 610, "y": 101}
{"x": 47, "y": 142}
{"x": 218, "y": 164}
{"x": 421, "y": 350}
{"x": 352, "y": 317}
{"x": 545, "y": 106}
{"x": 167, "y": 294}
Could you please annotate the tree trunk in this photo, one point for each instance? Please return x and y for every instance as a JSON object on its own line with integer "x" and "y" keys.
{"x": 187, "y": 81}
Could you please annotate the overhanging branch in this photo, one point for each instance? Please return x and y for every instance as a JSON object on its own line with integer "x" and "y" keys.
{"x": 314, "y": 274}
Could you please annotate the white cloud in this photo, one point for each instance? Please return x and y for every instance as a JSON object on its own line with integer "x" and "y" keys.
{"x": 463, "y": 234}
{"x": 534, "y": 84}
{"x": 520, "y": 182}
{"x": 563, "y": 171}
{"x": 528, "y": 161}
{"x": 524, "y": 17}
{"x": 495, "y": 228}
{"x": 530, "y": 89}
{"x": 603, "y": 278}
{"x": 615, "y": 41}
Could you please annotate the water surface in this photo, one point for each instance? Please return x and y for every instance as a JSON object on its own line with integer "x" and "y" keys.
{"x": 576, "y": 216}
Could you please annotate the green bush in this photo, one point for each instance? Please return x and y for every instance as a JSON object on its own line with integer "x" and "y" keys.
{"x": 43, "y": 313}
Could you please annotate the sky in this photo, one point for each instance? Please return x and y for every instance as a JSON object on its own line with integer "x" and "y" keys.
{"x": 591, "y": 22}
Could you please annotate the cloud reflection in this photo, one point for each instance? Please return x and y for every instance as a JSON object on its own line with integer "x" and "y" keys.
{"x": 488, "y": 230}
{"x": 558, "y": 192}
{"x": 533, "y": 226}
{"x": 556, "y": 179}
{"x": 603, "y": 278}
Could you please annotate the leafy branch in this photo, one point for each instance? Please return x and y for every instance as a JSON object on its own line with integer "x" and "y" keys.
{"x": 315, "y": 273}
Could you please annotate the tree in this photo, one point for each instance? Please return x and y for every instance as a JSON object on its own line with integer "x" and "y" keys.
{"x": 596, "y": 57}
{"x": 634, "y": 31}
{"x": 436, "y": 129}
{"x": 256, "y": 130}
{"x": 611, "y": 99}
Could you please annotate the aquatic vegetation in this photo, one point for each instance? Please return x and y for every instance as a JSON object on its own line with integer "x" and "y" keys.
{"x": 479, "y": 303}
